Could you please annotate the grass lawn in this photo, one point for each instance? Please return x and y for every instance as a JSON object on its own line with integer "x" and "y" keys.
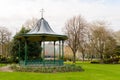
{"x": 92, "y": 72}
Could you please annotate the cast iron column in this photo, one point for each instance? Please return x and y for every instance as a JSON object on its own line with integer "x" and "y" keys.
{"x": 54, "y": 52}
{"x": 25, "y": 51}
{"x": 63, "y": 50}
{"x": 19, "y": 52}
{"x": 43, "y": 50}
{"x": 59, "y": 49}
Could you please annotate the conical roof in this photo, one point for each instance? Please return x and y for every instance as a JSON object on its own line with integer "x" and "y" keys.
{"x": 42, "y": 31}
{"x": 41, "y": 27}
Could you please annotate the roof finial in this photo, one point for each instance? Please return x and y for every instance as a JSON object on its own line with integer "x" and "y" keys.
{"x": 42, "y": 10}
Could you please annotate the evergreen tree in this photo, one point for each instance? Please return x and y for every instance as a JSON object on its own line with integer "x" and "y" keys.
{"x": 34, "y": 48}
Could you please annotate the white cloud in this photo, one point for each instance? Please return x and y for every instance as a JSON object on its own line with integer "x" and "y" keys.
{"x": 14, "y": 13}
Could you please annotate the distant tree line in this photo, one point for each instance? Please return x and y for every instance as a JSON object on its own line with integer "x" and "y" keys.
{"x": 92, "y": 40}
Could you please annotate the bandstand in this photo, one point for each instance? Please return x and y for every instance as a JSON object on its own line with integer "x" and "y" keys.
{"x": 43, "y": 33}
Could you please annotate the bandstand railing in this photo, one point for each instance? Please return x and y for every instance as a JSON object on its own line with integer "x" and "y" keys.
{"x": 41, "y": 63}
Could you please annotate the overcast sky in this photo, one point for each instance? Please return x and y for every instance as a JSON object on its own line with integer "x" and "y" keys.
{"x": 14, "y": 13}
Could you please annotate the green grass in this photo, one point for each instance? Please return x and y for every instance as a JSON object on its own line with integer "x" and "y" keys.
{"x": 92, "y": 72}
{"x": 1, "y": 64}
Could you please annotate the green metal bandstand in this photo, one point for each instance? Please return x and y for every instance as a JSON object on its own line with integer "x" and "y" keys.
{"x": 42, "y": 33}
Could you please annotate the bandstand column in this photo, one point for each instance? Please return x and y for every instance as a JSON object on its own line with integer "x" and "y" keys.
{"x": 44, "y": 51}
{"x": 54, "y": 52}
{"x": 59, "y": 49}
{"x": 40, "y": 42}
{"x": 25, "y": 51}
{"x": 63, "y": 49}
{"x": 19, "y": 51}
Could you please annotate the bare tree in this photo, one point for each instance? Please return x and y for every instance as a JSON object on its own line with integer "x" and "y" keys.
{"x": 5, "y": 36}
{"x": 30, "y": 23}
{"x": 101, "y": 38}
{"x": 117, "y": 37}
{"x": 90, "y": 50}
{"x": 75, "y": 29}
{"x": 110, "y": 47}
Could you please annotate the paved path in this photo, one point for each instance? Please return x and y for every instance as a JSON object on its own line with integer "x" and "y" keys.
{"x": 6, "y": 69}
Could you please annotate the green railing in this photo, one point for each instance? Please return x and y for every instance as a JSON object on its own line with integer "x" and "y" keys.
{"x": 41, "y": 63}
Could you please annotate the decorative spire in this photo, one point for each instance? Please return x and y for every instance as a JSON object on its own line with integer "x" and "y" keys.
{"x": 42, "y": 10}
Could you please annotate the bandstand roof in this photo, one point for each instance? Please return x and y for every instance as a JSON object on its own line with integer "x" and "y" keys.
{"x": 42, "y": 31}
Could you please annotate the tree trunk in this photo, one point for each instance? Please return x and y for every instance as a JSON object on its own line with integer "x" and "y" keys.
{"x": 101, "y": 56}
{"x": 83, "y": 56}
{"x": 2, "y": 49}
{"x": 91, "y": 57}
{"x": 74, "y": 58}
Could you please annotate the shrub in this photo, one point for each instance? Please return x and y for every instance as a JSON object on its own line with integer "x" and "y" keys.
{"x": 111, "y": 60}
{"x": 107, "y": 61}
{"x": 46, "y": 69}
{"x": 7, "y": 60}
{"x": 3, "y": 60}
{"x": 95, "y": 62}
